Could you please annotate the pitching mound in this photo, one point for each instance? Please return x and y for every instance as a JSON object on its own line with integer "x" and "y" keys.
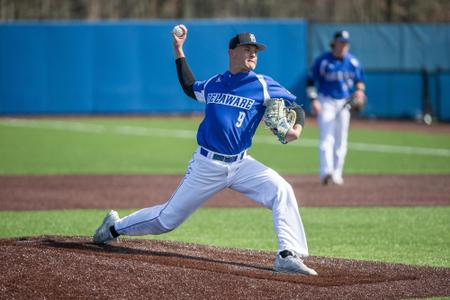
{"x": 68, "y": 267}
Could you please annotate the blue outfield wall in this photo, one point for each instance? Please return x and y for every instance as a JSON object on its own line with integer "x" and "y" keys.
{"x": 128, "y": 67}
{"x": 406, "y": 46}
{"x": 404, "y": 92}
{"x": 441, "y": 95}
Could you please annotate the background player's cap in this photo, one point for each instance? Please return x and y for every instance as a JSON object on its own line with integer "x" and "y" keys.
{"x": 342, "y": 36}
{"x": 246, "y": 38}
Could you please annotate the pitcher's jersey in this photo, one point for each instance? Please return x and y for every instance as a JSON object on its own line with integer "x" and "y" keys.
{"x": 335, "y": 77}
{"x": 234, "y": 109}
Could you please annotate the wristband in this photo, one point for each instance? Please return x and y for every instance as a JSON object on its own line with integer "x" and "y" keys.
{"x": 300, "y": 116}
{"x": 311, "y": 92}
{"x": 360, "y": 87}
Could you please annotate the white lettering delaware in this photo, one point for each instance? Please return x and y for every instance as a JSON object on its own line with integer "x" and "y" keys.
{"x": 230, "y": 100}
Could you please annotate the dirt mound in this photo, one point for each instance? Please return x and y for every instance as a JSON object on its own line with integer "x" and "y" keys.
{"x": 68, "y": 267}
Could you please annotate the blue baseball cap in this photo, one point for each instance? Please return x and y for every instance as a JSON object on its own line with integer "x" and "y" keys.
{"x": 342, "y": 36}
{"x": 246, "y": 38}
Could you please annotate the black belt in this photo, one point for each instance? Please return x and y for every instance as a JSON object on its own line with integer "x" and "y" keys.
{"x": 224, "y": 158}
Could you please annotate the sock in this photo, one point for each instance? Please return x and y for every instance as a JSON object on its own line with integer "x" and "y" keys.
{"x": 285, "y": 253}
{"x": 113, "y": 231}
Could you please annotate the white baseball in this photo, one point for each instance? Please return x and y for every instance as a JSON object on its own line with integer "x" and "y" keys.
{"x": 178, "y": 30}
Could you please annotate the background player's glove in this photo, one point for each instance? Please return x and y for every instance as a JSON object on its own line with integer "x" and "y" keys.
{"x": 279, "y": 118}
{"x": 356, "y": 104}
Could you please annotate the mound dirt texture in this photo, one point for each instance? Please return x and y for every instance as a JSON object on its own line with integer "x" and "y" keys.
{"x": 68, "y": 267}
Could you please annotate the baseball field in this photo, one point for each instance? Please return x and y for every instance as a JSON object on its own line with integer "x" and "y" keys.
{"x": 383, "y": 234}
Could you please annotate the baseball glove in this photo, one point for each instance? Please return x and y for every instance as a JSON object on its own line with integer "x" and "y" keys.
{"x": 279, "y": 118}
{"x": 356, "y": 105}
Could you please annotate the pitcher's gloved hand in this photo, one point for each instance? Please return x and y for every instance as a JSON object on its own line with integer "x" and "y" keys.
{"x": 279, "y": 118}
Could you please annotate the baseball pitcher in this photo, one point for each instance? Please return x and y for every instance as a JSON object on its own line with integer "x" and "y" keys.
{"x": 235, "y": 103}
{"x": 335, "y": 86}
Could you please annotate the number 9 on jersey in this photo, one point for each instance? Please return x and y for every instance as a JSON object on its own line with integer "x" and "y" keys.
{"x": 240, "y": 119}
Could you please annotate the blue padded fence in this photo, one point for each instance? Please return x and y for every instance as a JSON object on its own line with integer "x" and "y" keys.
{"x": 128, "y": 66}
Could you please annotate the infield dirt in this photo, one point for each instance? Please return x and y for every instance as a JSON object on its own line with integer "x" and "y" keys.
{"x": 138, "y": 191}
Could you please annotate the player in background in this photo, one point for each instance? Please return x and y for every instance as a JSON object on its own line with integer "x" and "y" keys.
{"x": 234, "y": 106}
{"x": 334, "y": 77}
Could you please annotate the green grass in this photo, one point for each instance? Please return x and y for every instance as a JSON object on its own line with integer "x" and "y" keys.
{"x": 26, "y": 150}
{"x": 49, "y": 151}
{"x": 415, "y": 235}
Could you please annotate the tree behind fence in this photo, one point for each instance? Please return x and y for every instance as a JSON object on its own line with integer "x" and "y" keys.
{"x": 313, "y": 10}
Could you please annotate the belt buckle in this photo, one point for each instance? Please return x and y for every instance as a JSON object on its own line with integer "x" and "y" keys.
{"x": 231, "y": 158}
{"x": 224, "y": 158}
{"x": 218, "y": 157}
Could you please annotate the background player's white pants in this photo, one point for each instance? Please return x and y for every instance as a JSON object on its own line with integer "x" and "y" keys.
{"x": 333, "y": 123}
{"x": 204, "y": 178}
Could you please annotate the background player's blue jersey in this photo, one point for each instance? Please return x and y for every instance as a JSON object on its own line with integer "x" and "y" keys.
{"x": 234, "y": 109}
{"x": 336, "y": 77}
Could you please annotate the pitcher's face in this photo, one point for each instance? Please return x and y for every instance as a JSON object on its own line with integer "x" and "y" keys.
{"x": 243, "y": 58}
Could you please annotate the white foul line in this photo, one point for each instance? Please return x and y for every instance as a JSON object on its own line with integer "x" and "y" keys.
{"x": 189, "y": 134}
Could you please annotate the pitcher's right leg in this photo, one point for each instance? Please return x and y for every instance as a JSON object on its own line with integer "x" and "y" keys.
{"x": 265, "y": 186}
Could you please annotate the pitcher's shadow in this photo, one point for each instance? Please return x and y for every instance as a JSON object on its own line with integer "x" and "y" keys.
{"x": 91, "y": 247}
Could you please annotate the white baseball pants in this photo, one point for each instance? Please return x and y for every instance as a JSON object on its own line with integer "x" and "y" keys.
{"x": 334, "y": 121}
{"x": 205, "y": 177}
